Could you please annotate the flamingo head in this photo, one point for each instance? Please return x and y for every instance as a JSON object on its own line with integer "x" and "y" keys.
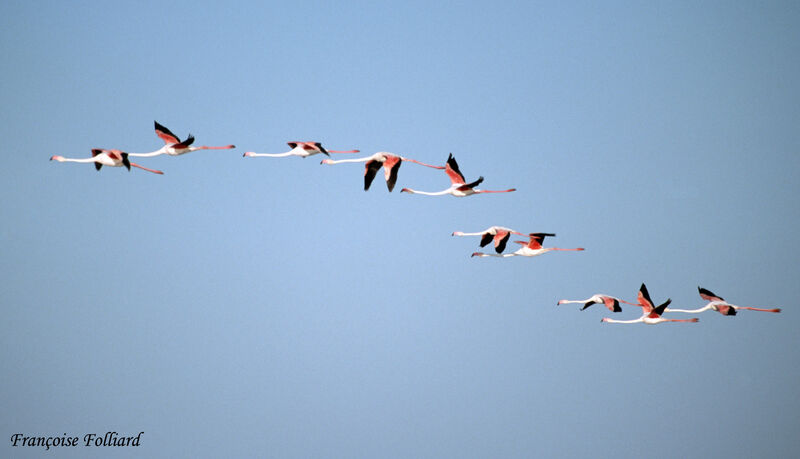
{"x": 247, "y": 153}
{"x": 406, "y": 190}
{"x": 604, "y": 319}
{"x": 561, "y": 302}
{"x": 57, "y": 158}
{"x": 326, "y": 161}
{"x": 456, "y": 233}
{"x": 476, "y": 254}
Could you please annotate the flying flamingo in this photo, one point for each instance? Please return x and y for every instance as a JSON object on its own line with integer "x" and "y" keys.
{"x": 651, "y": 314}
{"x": 101, "y": 157}
{"x": 458, "y": 186}
{"x": 531, "y": 248}
{"x": 499, "y": 234}
{"x": 173, "y": 145}
{"x": 716, "y": 303}
{"x": 391, "y": 165}
{"x": 612, "y": 303}
{"x": 301, "y": 149}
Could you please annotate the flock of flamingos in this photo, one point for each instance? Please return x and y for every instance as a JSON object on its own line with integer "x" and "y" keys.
{"x": 651, "y": 314}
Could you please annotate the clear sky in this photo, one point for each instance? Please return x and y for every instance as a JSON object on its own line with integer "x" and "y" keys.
{"x": 270, "y": 307}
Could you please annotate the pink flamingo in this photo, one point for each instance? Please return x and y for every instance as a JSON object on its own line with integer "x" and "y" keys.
{"x": 391, "y": 165}
{"x": 500, "y": 235}
{"x": 531, "y": 248}
{"x": 651, "y": 314}
{"x": 458, "y": 186}
{"x": 301, "y": 149}
{"x": 612, "y": 303}
{"x": 101, "y": 157}
{"x": 173, "y": 145}
{"x": 716, "y": 303}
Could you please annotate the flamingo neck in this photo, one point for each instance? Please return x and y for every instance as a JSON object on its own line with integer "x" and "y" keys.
{"x": 270, "y": 155}
{"x": 690, "y": 311}
{"x": 615, "y": 321}
{"x": 353, "y": 160}
{"x": 427, "y": 193}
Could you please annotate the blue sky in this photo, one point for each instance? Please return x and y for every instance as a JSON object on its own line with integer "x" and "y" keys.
{"x": 270, "y": 307}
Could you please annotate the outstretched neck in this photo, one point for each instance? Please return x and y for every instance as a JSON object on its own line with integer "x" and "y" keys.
{"x": 267, "y": 155}
{"x": 426, "y": 193}
{"x": 337, "y": 161}
{"x": 62, "y": 159}
{"x": 689, "y": 311}
{"x": 614, "y": 321}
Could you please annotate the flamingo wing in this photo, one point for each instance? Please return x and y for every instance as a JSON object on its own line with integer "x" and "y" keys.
{"x": 708, "y": 295}
{"x": 726, "y": 310}
{"x": 391, "y": 166}
{"x": 95, "y": 152}
{"x": 486, "y": 238}
{"x": 612, "y": 304}
{"x": 644, "y": 299}
{"x": 456, "y": 177}
{"x": 321, "y": 148}
{"x": 469, "y": 186}
{"x": 292, "y": 145}
{"x": 500, "y": 241}
{"x": 660, "y": 309}
{"x": 165, "y": 134}
{"x": 185, "y": 144}
{"x": 370, "y": 170}
{"x": 536, "y": 240}
{"x": 125, "y": 161}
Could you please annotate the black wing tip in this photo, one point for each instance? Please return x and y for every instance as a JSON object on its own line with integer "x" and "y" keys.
{"x": 643, "y": 291}
{"x": 321, "y": 148}
{"x": 660, "y": 309}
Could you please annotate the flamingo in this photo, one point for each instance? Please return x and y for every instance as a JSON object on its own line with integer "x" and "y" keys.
{"x": 391, "y": 165}
{"x": 651, "y": 314}
{"x": 102, "y": 157}
{"x": 173, "y": 145}
{"x": 612, "y": 303}
{"x": 499, "y": 234}
{"x": 531, "y": 248}
{"x": 716, "y": 303}
{"x": 458, "y": 186}
{"x": 301, "y": 149}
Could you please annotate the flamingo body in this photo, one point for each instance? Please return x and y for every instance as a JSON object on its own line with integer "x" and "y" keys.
{"x": 716, "y": 303}
{"x": 499, "y": 234}
{"x": 174, "y": 146}
{"x": 102, "y": 157}
{"x": 301, "y": 149}
{"x": 531, "y": 248}
{"x": 458, "y": 186}
{"x": 373, "y": 163}
{"x": 610, "y": 302}
{"x": 651, "y": 314}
